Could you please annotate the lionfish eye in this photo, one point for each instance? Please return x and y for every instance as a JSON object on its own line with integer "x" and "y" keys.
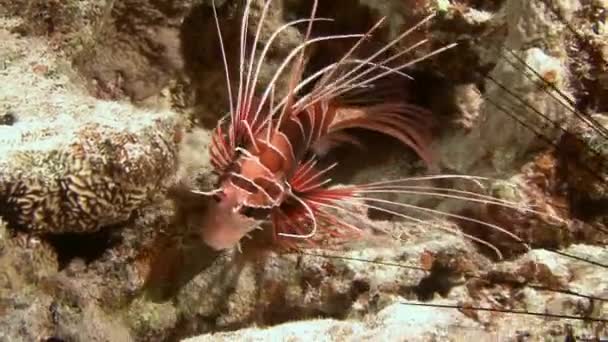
{"x": 218, "y": 196}
{"x": 254, "y": 213}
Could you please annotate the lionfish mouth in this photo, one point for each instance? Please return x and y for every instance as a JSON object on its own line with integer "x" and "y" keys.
{"x": 226, "y": 231}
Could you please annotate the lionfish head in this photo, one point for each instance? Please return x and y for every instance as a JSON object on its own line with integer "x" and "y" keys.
{"x": 228, "y": 219}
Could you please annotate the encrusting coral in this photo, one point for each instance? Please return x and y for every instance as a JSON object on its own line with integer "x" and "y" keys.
{"x": 71, "y": 163}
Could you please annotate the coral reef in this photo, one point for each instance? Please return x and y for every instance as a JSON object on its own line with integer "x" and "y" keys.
{"x": 107, "y": 103}
{"x": 398, "y": 321}
{"x": 72, "y": 164}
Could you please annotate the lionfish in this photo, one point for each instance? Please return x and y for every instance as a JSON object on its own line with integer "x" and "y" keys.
{"x": 266, "y": 153}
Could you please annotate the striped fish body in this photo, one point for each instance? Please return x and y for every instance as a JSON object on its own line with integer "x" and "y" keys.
{"x": 271, "y": 170}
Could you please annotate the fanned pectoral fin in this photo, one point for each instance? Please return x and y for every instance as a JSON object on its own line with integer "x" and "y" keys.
{"x": 409, "y": 124}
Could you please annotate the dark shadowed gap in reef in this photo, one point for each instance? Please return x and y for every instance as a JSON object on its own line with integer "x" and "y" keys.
{"x": 88, "y": 247}
{"x": 53, "y": 339}
{"x": 202, "y": 56}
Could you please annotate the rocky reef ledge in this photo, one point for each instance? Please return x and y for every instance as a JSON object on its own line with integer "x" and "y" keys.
{"x": 93, "y": 98}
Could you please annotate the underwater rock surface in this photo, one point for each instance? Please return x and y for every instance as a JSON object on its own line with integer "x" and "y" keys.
{"x": 92, "y": 103}
{"x": 68, "y": 162}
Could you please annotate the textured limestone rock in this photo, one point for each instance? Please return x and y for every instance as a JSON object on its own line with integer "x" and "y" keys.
{"x": 396, "y": 322}
{"x": 268, "y": 288}
{"x": 111, "y": 296}
{"x": 508, "y": 121}
{"x": 70, "y": 163}
{"x": 135, "y": 50}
